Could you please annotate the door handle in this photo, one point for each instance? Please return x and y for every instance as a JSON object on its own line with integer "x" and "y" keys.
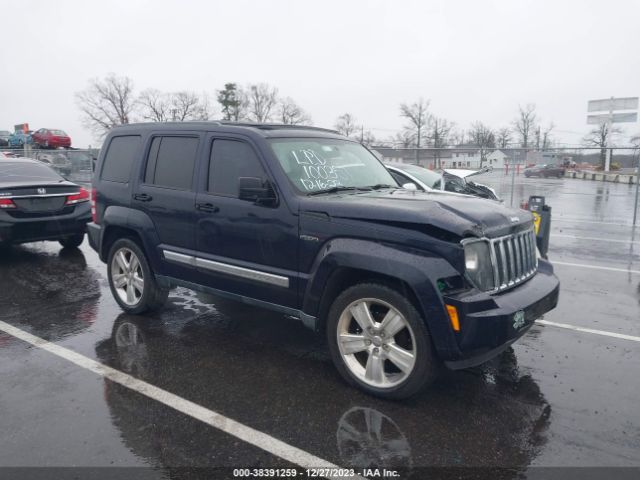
{"x": 207, "y": 207}
{"x": 143, "y": 197}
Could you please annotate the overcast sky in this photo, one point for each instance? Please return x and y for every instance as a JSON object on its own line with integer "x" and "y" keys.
{"x": 474, "y": 60}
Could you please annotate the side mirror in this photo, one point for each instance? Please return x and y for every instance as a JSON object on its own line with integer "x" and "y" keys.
{"x": 254, "y": 189}
{"x": 410, "y": 186}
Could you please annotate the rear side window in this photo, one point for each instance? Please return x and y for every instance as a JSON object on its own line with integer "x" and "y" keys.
{"x": 119, "y": 158}
{"x": 171, "y": 162}
{"x": 230, "y": 160}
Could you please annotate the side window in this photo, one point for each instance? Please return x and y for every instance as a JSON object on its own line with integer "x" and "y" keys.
{"x": 120, "y": 156}
{"x": 401, "y": 179}
{"x": 230, "y": 160}
{"x": 171, "y": 162}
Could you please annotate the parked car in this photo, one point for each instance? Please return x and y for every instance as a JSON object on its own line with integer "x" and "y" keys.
{"x": 4, "y": 138}
{"x": 36, "y": 203}
{"x": 58, "y": 161}
{"x": 544, "y": 170}
{"x": 51, "y": 138}
{"x": 450, "y": 180}
{"x": 19, "y": 139}
{"x": 309, "y": 223}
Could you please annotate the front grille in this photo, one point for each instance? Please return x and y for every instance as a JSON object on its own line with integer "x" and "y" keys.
{"x": 514, "y": 259}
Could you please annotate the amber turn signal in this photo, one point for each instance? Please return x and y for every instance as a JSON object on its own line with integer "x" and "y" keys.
{"x": 453, "y": 317}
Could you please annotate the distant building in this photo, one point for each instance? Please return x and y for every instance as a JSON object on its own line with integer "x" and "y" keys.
{"x": 467, "y": 157}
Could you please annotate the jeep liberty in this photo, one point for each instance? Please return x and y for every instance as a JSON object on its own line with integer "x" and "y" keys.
{"x": 309, "y": 223}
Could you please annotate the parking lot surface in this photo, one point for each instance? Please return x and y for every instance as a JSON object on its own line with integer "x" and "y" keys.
{"x": 212, "y": 384}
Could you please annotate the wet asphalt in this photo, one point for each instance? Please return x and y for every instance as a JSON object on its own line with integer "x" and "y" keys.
{"x": 557, "y": 398}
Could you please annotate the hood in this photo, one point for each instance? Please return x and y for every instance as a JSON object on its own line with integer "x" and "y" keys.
{"x": 462, "y": 173}
{"x": 457, "y": 214}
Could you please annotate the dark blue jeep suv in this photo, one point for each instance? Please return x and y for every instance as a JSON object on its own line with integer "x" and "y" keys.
{"x": 309, "y": 223}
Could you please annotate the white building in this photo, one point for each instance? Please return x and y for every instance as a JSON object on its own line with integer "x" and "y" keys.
{"x": 498, "y": 159}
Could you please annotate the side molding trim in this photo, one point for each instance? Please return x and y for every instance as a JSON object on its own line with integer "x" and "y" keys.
{"x": 226, "y": 268}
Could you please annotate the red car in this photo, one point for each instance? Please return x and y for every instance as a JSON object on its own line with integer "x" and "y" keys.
{"x": 49, "y": 138}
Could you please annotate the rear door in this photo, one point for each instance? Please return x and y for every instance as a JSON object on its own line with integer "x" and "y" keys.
{"x": 166, "y": 192}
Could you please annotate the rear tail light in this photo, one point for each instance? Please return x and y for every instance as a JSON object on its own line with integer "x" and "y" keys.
{"x": 81, "y": 196}
{"x": 6, "y": 203}
{"x": 94, "y": 196}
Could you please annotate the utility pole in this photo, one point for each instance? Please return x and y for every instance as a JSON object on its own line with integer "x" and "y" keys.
{"x": 635, "y": 205}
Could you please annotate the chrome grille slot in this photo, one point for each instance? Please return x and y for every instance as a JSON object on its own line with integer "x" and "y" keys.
{"x": 514, "y": 259}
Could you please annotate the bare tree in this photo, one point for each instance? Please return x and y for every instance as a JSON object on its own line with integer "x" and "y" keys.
{"x": 483, "y": 137}
{"x": 106, "y": 103}
{"x": 290, "y": 113}
{"x": 418, "y": 116}
{"x": 155, "y": 105}
{"x": 346, "y": 124}
{"x": 503, "y": 137}
{"x": 184, "y": 106}
{"x": 438, "y": 133}
{"x": 546, "y": 136}
{"x": 525, "y": 123}
{"x": 262, "y": 99}
{"x": 458, "y": 136}
{"x": 368, "y": 138}
{"x": 205, "y": 109}
{"x": 601, "y": 136}
{"x": 177, "y": 107}
{"x": 402, "y": 139}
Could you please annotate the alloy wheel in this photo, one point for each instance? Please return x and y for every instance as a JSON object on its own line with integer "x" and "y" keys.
{"x": 376, "y": 343}
{"x": 127, "y": 276}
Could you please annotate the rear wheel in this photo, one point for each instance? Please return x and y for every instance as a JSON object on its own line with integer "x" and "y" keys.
{"x": 131, "y": 279}
{"x": 74, "y": 241}
{"x": 379, "y": 342}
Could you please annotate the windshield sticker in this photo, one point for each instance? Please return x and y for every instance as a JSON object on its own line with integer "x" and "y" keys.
{"x": 316, "y": 173}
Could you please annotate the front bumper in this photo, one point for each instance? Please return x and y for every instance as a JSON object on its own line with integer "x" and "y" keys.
{"x": 490, "y": 323}
{"x": 33, "y": 229}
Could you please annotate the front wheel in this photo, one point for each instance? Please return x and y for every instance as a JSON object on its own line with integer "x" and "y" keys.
{"x": 131, "y": 279}
{"x": 379, "y": 342}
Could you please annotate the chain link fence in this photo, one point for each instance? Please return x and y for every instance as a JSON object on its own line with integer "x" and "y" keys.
{"x": 514, "y": 171}
{"x": 509, "y": 167}
{"x": 73, "y": 164}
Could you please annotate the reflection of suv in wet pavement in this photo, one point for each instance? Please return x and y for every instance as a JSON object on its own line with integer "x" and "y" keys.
{"x": 308, "y": 223}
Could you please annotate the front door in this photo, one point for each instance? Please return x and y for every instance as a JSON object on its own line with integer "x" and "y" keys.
{"x": 244, "y": 247}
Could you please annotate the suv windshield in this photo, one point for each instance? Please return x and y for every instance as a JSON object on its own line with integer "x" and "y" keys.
{"x": 317, "y": 164}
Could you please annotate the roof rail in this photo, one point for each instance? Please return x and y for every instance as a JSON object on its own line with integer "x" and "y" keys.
{"x": 275, "y": 126}
{"x": 230, "y": 123}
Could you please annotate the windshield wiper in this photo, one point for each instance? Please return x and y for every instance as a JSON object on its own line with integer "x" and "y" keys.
{"x": 379, "y": 186}
{"x": 338, "y": 189}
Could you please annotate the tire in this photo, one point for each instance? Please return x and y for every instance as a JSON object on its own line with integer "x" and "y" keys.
{"x": 134, "y": 288}
{"x": 370, "y": 364}
{"x": 74, "y": 241}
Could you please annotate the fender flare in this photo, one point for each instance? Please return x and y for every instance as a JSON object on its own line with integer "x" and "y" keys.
{"x": 137, "y": 221}
{"x": 419, "y": 270}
